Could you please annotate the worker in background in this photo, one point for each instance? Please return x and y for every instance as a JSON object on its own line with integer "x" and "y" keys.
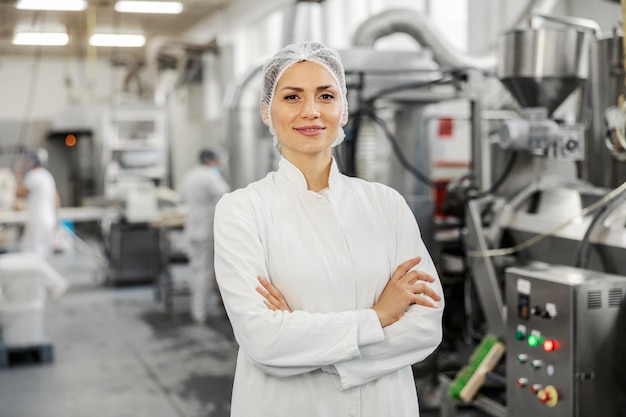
{"x": 200, "y": 190}
{"x": 36, "y": 184}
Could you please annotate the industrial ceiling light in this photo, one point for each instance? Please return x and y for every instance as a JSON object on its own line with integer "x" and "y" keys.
{"x": 64, "y": 5}
{"x": 41, "y": 38}
{"x": 160, "y": 7}
{"x": 117, "y": 40}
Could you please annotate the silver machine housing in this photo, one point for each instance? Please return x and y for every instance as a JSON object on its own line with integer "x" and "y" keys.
{"x": 583, "y": 314}
{"x": 540, "y": 68}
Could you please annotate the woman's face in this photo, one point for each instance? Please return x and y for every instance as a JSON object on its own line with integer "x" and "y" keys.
{"x": 306, "y": 110}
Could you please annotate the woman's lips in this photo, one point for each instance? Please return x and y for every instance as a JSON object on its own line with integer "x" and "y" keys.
{"x": 310, "y": 130}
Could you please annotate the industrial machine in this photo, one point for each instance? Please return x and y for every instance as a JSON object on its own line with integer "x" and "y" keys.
{"x": 544, "y": 184}
{"x": 565, "y": 333}
{"x": 129, "y": 151}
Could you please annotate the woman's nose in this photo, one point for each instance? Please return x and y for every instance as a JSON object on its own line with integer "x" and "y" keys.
{"x": 310, "y": 108}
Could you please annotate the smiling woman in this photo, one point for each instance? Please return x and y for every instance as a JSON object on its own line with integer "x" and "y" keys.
{"x": 306, "y": 112}
{"x": 328, "y": 285}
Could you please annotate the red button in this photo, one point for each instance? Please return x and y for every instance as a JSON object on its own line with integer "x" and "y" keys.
{"x": 544, "y": 396}
{"x": 550, "y": 345}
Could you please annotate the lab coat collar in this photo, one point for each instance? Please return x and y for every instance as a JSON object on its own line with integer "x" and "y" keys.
{"x": 291, "y": 175}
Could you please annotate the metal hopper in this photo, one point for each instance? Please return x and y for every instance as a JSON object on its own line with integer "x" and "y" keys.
{"x": 541, "y": 67}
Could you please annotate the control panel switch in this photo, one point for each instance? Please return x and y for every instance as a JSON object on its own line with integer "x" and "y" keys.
{"x": 548, "y": 396}
{"x": 522, "y": 358}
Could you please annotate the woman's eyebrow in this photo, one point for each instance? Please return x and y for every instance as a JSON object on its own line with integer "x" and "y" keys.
{"x": 300, "y": 89}
{"x": 292, "y": 88}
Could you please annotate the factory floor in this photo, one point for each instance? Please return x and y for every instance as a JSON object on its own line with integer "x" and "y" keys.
{"x": 117, "y": 353}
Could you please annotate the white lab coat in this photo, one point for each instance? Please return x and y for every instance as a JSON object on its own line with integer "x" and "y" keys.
{"x": 200, "y": 189}
{"x": 331, "y": 255}
{"x": 40, "y": 211}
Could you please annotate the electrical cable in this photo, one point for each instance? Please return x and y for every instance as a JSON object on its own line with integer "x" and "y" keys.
{"x": 398, "y": 152}
{"x": 584, "y": 246}
{"x": 582, "y": 251}
{"x": 30, "y": 96}
{"x": 115, "y": 52}
{"x": 528, "y": 243}
{"x": 503, "y": 176}
{"x": 366, "y": 108}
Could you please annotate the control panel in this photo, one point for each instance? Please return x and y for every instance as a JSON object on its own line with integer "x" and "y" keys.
{"x": 561, "y": 330}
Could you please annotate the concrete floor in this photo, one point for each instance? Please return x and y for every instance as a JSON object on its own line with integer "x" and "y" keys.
{"x": 118, "y": 354}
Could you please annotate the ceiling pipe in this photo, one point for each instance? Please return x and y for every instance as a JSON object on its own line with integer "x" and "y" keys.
{"x": 178, "y": 49}
{"x": 133, "y": 65}
{"x": 302, "y": 21}
{"x": 420, "y": 28}
{"x": 243, "y": 116}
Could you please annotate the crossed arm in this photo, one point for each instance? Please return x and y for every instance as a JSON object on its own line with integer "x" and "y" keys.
{"x": 405, "y": 287}
{"x": 284, "y": 342}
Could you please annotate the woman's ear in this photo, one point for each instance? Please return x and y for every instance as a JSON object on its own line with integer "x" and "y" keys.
{"x": 265, "y": 113}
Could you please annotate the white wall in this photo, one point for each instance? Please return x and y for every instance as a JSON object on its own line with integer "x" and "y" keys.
{"x": 39, "y": 89}
{"x": 607, "y": 14}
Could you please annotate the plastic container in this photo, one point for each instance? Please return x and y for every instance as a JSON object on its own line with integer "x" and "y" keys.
{"x": 21, "y": 287}
{"x": 26, "y": 277}
{"x": 22, "y": 324}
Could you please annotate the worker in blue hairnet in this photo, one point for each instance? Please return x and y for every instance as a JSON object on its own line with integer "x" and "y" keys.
{"x": 200, "y": 190}
{"x": 36, "y": 184}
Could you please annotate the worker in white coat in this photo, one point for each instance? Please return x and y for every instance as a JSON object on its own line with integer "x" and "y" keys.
{"x": 330, "y": 290}
{"x": 36, "y": 184}
{"x": 200, "y": 190}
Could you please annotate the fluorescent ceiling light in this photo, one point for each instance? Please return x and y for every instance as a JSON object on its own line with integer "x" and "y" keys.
{"x": 40, "y": 38}
{"x": 65, "y": 5}
{"x": 106, "y": 39}
{"x": 161, "y": 7}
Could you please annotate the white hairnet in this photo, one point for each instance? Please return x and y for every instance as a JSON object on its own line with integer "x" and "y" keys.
{"x": 276, "y": 66}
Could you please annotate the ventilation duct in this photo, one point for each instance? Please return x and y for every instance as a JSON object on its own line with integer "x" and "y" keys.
{"x": 419, "y": 27}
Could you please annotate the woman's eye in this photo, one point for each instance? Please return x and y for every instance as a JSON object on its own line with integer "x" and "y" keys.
{"x": 327, "y": 96}
{"x": 291, "y": 97}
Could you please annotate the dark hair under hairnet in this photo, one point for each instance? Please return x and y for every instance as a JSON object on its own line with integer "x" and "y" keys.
{"x": 208, "y": 155}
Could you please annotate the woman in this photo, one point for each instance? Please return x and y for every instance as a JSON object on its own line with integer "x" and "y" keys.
{"x": 330, "y": 290}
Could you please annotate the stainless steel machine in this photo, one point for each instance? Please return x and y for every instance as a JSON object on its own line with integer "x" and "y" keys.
{"x": 563, "y": 320}
{"x": 565, "y": 336}
{"x": 542, "y": 154}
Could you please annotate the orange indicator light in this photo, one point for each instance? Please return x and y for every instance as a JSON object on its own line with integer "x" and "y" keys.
{"x": 70, "y": 140}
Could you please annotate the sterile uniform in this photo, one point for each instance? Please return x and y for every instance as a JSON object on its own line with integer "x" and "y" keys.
{"x": 200, "y": 189}
{"x": 331, "y": 255}
{"x": 40, "y": 211}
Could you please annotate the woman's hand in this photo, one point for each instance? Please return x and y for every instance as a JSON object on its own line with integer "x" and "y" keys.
{"x": 405, "y": 287}
{"x": 274, "y": 300}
